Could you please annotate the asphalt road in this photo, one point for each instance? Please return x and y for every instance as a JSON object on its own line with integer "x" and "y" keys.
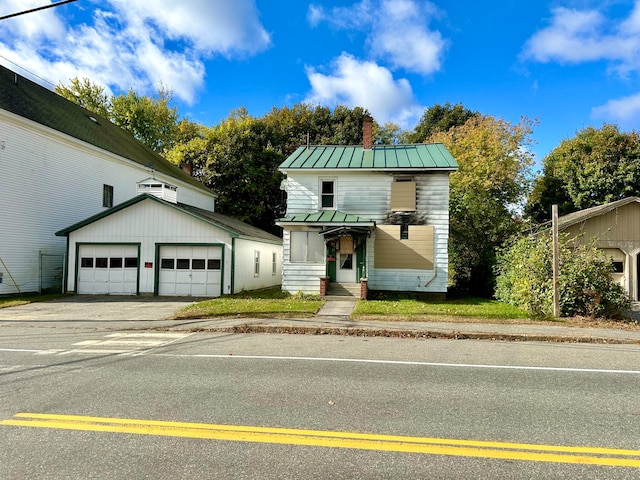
{"x": 95, "y": 404}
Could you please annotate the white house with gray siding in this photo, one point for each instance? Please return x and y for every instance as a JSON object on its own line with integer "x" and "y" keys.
{"x": 375, "y": 212}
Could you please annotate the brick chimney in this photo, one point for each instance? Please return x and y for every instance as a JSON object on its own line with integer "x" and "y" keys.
{"x": 367, "y": 133}
{"x": 188, "y": 169}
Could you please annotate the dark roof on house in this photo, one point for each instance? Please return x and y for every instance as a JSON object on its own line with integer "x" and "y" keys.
{"x": 422, "y": 156}
{"x": 576, "y": 217}
{"x": 234, "y": 227}
{"x": 27, "y": 99}
{"x": 326, "y": 217}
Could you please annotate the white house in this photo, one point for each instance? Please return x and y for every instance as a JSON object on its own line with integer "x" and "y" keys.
{"x": 375, "y": 212}
{"x": 62, "y": 164}
{"x": 154, "y": 244}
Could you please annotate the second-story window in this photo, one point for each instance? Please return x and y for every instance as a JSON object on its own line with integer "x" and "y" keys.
{"x": 107, "y": 196}
{"x": 328, "y": 194}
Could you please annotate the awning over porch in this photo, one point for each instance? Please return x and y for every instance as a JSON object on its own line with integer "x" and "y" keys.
{"x": 330, "y": 219}
{"x": 335, "y": 223}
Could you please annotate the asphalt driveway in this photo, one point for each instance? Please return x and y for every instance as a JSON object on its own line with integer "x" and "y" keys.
{"x": 97, "y": 308}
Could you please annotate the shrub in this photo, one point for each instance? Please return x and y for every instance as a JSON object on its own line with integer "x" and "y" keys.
{"x": 525, "y": 278}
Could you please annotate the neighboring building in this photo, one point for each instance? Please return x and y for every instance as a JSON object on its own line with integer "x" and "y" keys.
{"x": 153, "y": 244}
{"x": 61, "y": 164}
{"x": 615, "y": 227}
{"x": 379, "y": 212}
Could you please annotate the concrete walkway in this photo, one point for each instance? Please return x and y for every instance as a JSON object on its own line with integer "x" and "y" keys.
{"x": 337, "y": 307}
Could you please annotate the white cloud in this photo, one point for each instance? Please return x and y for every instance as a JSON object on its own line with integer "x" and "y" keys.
{"x": 624, "y": 110}
{"x": 576, "y": 36}
{"x": 398, "y": 31}
{"x": 361, "y": 83}
{"x": 129, "y": 44}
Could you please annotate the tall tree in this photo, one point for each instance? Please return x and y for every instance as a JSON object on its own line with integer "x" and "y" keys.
{"x": 86, "y": 94}
{"x": 439, "y": 118}
{"x": 152, "y": 120}
{"x": 485, "y": 194}
{"x": 242, "y": 168}
{"x": 597, "y": 166}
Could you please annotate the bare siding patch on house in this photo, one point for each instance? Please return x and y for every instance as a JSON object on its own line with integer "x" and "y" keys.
{"x": 416, "y": 252}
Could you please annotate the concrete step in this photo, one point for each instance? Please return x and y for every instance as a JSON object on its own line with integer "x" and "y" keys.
{"x": 343, "y": 290}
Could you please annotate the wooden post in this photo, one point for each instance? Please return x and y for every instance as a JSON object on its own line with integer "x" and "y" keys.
{"x": 556, "y": 261}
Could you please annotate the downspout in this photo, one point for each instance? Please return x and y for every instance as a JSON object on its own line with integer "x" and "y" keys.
{"x": 233, "y": 264}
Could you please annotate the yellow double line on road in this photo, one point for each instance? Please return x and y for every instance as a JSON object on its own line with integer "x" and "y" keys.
{"x": 319, "y": 438}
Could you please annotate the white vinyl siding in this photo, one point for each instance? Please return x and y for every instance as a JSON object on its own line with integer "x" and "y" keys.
{"x": 368, "y": 194}
{"x": 245, "y": 265}
{"x": 50, "y": 181}
{"x": 151, "y": 223}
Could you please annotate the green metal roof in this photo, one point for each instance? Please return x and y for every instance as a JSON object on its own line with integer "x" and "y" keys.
{"x": 326, "y": 217}
{"x": 234, "y": 227}
{"x": 27, "y": 99}
{"x": 422, "y": 156}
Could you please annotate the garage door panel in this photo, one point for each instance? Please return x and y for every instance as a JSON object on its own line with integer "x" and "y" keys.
{"x": 108, "y": 269}
{"x": 190, "y": 271}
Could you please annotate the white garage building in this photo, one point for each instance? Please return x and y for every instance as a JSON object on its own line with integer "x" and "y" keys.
{"x": 152, "y": 244}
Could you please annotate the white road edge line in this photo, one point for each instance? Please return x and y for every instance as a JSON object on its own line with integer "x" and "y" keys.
{"x": 23, "y": 350}
{"x": 401, "y": 362}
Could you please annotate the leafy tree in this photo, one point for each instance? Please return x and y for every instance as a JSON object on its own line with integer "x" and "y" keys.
{"x": 439, "y": 118}
{"x": 525, "y": 278}
{"x": 485, "y": 194}
{"x": 597, "y": 166}
{"x": 242, "y": 168}
{"x": 86, "y": 94}
{"x": 150, "y": 119}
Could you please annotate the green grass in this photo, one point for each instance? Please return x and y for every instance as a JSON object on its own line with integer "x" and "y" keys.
{"x": 15, "y": 301}
{"x": 409, "y": 307}
{"x": 271, "y": 302}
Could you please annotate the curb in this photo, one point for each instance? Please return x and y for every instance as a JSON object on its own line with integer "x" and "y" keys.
{"x": 417, "y": 334}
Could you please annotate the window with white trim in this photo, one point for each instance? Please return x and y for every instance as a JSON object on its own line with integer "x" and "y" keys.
{"x": 107, "y": 196}
{"x": 306, "y": 247}
{"x": 328, "y": 194}
{"x": 256, "y": 263}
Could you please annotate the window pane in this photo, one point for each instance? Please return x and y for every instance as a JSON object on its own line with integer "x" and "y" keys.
{"x": 86, "y": 262}
{"x": 131, "y": 262}
{"x": 618, "y": 267}
{"x": 101, "y": 262}
{"x": 404, "y": 232}
{"x": 167, "y": 263}
{"x": 107, "y": 196}
{"x": 115, "y": 262}
{"x": 327, "y": 201}
{"x": 315, "y": 252}
{"x": 197, "y": 264}
{"x": 298, "y": 247}
{"x": 346, "y": 261}
{"x": 182, "y": 264}
{"x": 213, "y": 264}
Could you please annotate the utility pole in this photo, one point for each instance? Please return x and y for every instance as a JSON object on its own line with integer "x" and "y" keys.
{"x": 556, "y": 261}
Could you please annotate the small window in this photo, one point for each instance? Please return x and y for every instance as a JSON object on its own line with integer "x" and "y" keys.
{"x": 327, "y": 195}
{"x": 618, "y": 267}
{"x": 213, "y": 264}
{"x": 182, "y": 264}
{"x": 107, "y": 196}
{"x": 197, "y": 264}
{"x": 131, "y": 262}
{"x": 101, "y": 262}
{"x": 86, "y": 262}
{"x": 346, "y": 261}
{"x": 115, "y": 262}
{"x": 256, "y": 263}
{"x": 167, "y": 263}
{"x": 274, "y": 263}
{"x": 404, "y": 231}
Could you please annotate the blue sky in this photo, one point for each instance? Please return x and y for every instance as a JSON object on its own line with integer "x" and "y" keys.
{"x": 568, "y": 63}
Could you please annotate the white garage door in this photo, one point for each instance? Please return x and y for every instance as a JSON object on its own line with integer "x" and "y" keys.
{"x": 108, "y": 269}
{"x": 190, "y": 271}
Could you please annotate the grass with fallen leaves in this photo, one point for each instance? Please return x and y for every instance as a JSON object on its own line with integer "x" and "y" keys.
{"x": 261, "y": 303}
